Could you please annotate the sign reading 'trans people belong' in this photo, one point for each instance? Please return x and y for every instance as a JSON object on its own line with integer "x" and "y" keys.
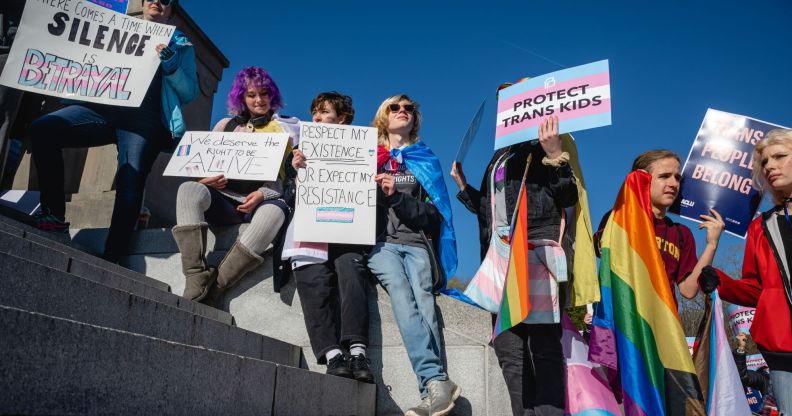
{"x": 579, "y": 97}
{"x": 718, "y": 171}
{"x": 79, "y": 50}
{"x": 336, "y": 199}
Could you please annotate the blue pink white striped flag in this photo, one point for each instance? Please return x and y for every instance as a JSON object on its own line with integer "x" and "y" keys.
{"x": 335, "y": 214}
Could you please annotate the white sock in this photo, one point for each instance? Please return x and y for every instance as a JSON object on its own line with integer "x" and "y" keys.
{"x": 332, "y": 354}
{"x": 357, "y": 349}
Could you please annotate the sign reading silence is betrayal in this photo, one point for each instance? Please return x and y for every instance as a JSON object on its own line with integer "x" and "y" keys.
{"x": 718, "y": 171}
{"x": 79, "y": 50}
{"x": 247, "y": 156}
{"x": 579, "y": 97}
{"x": 336, "y": 192}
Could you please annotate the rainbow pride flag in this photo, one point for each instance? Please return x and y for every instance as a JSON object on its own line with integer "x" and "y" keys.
{"x": 637, "y": 329}
{"x": 515, "y": 303}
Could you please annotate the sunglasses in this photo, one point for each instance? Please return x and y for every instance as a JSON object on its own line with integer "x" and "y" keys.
{"x": 395, "y": 108}
{"x": 165, "y": 3}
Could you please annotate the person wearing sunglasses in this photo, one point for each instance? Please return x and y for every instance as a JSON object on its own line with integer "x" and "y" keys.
{"x": 139, "y": 133}
{"x": 252, "y": 102}
{"x": 412, "y": 209}
{"x": 332, "y": 274}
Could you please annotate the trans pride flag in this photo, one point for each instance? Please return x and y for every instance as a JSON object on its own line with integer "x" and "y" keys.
{"x": 636, "y": 329}
{"x": 715, "y": 365}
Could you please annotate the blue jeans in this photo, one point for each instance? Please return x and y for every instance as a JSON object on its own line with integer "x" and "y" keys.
{"x": 782, "y": 390}
{"x": 78, "y": 126}
{"x": 406, "y": 274}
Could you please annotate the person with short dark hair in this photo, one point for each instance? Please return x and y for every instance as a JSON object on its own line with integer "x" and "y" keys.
{"x": 140, "y": 133}
{"x": 332, "y": 274}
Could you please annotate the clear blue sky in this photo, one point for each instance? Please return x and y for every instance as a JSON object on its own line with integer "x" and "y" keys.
{"x": 669, "y": 62}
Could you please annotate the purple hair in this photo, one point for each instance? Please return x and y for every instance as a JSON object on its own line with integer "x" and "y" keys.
{"x": 258, "y": 78}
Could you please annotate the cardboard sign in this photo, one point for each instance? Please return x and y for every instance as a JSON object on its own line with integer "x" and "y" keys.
{"x": 740, "y": 318}
{"x": 691, "y": 342}
{"x": 336, "y": 194}
{"x": 78, "y": 50}
{"x": 470, "y": 134}
{"x": 755, "y": 362}
{"x": 579, "y": 97}
{"x": 718, "y": 171}
{"x": 250, "y": 156}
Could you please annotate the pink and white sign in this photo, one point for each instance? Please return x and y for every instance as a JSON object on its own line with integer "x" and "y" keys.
{"x": 740, "y": 318}
{"x": 755, "y": 362}
{"x": 579, "y": 97}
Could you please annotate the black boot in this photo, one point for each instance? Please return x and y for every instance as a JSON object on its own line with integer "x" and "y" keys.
{"x": 360, "y": 368}
{"x": 339, "y": 366}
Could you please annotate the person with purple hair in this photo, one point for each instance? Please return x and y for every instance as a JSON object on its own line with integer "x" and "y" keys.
{"x": 252, "y": 103}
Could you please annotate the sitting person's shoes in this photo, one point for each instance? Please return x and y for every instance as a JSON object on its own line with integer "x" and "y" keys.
{"x": 44, "y": 220}
{"x": 360, "y": 368}
{"x": 439, "y": 402}
{"x": 339, "y": 366}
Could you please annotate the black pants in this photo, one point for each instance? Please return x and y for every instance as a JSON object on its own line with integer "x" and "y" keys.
{"x": 532, "y": 362}
{"x": 341, "y": 280}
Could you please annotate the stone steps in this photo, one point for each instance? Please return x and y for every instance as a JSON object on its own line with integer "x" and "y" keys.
{"x": 54, "y": 365}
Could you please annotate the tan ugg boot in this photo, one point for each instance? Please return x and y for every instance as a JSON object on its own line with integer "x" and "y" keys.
{"x": 191, "y": 240}
{"x": 237, "y": 263}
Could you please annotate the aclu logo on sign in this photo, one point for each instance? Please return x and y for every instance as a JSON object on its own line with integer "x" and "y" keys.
{"x": 688, "y": 203}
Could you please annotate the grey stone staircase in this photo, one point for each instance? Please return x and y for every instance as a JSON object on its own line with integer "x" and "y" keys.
{"x": 255, "y": 307}
{"x": 83, "y": 336}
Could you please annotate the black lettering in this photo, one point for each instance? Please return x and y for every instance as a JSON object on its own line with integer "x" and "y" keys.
{"x": 57, "y": 28}
{"x": 84, "y": 35}
{"x": 100, "y": 34}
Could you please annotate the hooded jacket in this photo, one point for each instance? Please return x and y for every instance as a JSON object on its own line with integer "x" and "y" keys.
{"x": 179, "y": 87}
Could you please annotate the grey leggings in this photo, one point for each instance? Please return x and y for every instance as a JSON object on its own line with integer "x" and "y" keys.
{"x": 197, "y": 203}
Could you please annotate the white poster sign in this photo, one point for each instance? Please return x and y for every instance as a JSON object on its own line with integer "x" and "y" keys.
{"x": 79, "y": 50}
{"x": 249, "y": 156}
{"x": 336, "y": 192}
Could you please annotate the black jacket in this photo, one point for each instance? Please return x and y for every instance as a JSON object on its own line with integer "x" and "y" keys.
{"x": 550, "y": 190}
{"x": 756, "y": 380}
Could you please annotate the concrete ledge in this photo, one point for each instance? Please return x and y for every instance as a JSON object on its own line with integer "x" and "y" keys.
{"x": 58, "y": 366}
{"x": 301, "y": 392}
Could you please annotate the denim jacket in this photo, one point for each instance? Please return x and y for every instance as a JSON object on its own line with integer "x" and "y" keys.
{"x": 550, "y": 190}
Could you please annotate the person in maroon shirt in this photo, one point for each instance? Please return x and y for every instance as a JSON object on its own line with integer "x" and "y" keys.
{"x": 675, "y": 241}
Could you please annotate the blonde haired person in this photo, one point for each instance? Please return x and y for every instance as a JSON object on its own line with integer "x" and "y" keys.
{"x": 765, "y": 283}
{"x": 412, "y": 209}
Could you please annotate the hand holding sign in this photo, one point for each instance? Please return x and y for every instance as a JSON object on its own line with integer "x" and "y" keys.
{"x": 459, "y": 175}
{"x": 549, "y": 138}
{"x": 387, "y": 183}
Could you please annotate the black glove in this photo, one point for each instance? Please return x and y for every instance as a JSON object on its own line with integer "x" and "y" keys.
{"x": 708, "y": 279}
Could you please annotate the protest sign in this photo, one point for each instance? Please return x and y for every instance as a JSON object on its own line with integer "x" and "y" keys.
{"x": 249, "y": 156}
{"x": 579, "y": 97}
{"x": 82, "y": 51}
{"x": 740, "y": 318}
{"x": 470, "y": 134}
{"x": 755, "y": 362}
{"x": 691, "y": 342}
{"x": 117, "y": 5}
{"x": 754, "y": 398}
{"x": 718, "y": 170}
{"x": 336, "y": 192}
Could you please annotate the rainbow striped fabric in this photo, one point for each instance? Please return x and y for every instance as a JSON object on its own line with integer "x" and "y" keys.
{"x": 515, "y": 303}
{"x": 637, "y": 329}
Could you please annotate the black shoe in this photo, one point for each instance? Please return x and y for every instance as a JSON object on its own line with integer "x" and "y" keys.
{"x": 360, "y": 368}
{"x": 339, "y": 366}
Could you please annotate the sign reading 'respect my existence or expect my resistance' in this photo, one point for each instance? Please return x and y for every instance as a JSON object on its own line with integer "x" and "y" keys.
{"x": 336, "y": 192}
{"x": 79, "y": 50}
{"x": 718, "y": 171}
{"x": 247, "y": 156}
{"x": 579, "y": 97}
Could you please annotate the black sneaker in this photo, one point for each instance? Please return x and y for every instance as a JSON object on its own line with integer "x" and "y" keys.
{"x": 360, "y": 368}
{"x": 339, "y": 366}
{"x": 46, "y": 221}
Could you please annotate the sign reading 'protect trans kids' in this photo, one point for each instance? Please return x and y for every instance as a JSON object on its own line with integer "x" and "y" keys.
{"x": 579, "y": 97}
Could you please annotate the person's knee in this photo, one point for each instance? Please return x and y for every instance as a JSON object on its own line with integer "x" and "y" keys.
{"x": 44, "y": 127}
{"x": 192, "y": 192}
